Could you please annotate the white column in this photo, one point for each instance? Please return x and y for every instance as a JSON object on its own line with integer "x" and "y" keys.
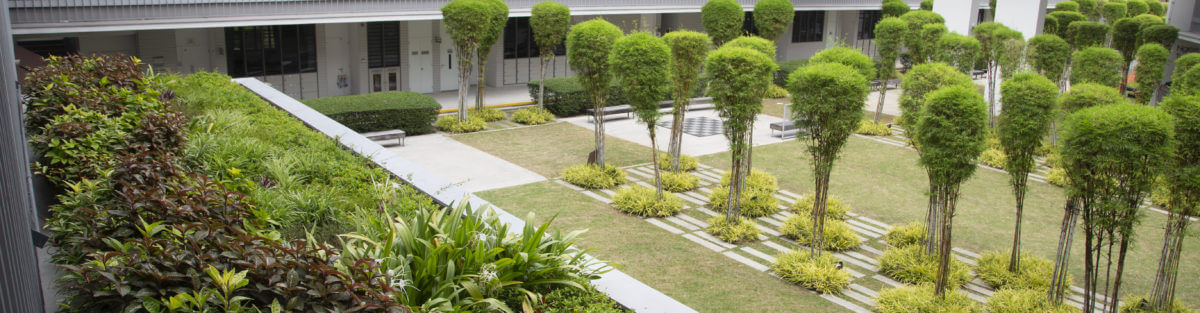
{"x": 960, "y": 15}
{"x": 1025, "y": 16}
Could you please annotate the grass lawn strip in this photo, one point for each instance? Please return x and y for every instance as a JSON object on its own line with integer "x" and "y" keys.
{"x": 551, "y": 148}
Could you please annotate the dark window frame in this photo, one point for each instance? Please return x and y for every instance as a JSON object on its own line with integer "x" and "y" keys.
{"x": 519, "y": 41}
{"x": 748, "y": 27}
{"x": 383, "y": 44}
{"x": 270, "y": 50}
{"x": 866, "y": 23}
{"x": 808, "y": 26}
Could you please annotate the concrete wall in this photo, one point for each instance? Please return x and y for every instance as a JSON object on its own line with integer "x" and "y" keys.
{"x": 109, "y": 43}
{"x": 1025, "y": 16}
{"x": 962, "y": 15}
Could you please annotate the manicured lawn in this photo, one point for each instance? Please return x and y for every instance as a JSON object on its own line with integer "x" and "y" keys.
{"x": 885, "y": 183}
{"x": 684, "y": 270}
{"x": 548, "y": 149}
{"x": 774, "y": 107}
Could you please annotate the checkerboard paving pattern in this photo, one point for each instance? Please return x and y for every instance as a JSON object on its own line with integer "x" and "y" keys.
{"x": 861, "y": 263}
{"x": 702, "y": 126}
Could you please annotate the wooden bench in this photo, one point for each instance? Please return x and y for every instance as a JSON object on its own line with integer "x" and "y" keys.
{"x": 387, "y": 134}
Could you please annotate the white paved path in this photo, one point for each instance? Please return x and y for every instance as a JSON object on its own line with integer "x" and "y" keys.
{"x": 470, "y": 168}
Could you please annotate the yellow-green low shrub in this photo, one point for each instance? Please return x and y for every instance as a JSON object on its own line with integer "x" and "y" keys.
{"x": 487, "y": 115}
{"x": 920, "y": 299}
{"x": 834, "y": 207}
{"x": 1053, "y": 159}
{"x": 905, "y": 235}
{"x": 994, "y": 158}
{"x": 757, "y": 179}
{"x": 774, "y": 91}
{"x": 679, "y": 182}
{"x": 1133, "y": 304}
{"x": 1024, "y": 301}
{"x": 736, "y": 231}
{"x": 911, "y": 265}
{"x": 1035, "y": 271}
{"x": 686, "y": 162}
{"x": 532, "y": 116}
{"x": 450, "y": 123}
{"x": 643, "y": 201}
{"x": 754, "y": 202}
{"x": 837, "y": 234}
{"x": 871, "y": 128}
{"x": 593, "y": 177}
{"x": 1057, "y": 176}
{"x": 820, "y": 274}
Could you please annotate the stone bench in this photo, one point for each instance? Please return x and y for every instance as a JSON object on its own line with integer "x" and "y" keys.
{"x": 387, "y": 134}
{"x": 784, "y": 127}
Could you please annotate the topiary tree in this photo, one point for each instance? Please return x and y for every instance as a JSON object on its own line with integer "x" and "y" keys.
{"x": 462, "y": 22}
{"x": 1088, "y": 95}
{"x": 641, "y": 63}
{"x": 1162, "y": 34}
{"x": 1124, "y": 39}
{"x": 1069, "y": 6}
{"x": 828, "y": 104}
{"x": 588, "y": 46}
{"x": 894, "y": 8}
{"x": 889, "y": 33}
{"x": 1088, "y": 34}
{"x": 1050, "y": 25}
{"x": 958, "y": 50}
{"x": 1152, "y": 62}
{"x": 496, "y": 19}
{"x": 1029, "y": 101}
{"x": 550, "y": 22}
{"x": 1184, "y": 184}
{"x": 1097, "y": 65}
{"x": 740, "y": 77}
{"x": 766, "y": 47}
{"x": 1113, "y": 11}
{"x": 1188, "y": 82}
{"x": 772, "y": 17}
{"x": 993, "y": 39}
{"x": 1182, "y": 65}
{"x": 688, "y": 49}
{"x": 1157, "y": 8}
{"x": 951, "y": 132}
{"x": 1136, "y": 7}
{"x": 927, "y": 5}
{"x": 846, "y": 56}
{"x": 722, "y": 20}
{"x": 1064, "y": 20}
{"x": 918, "y": 48}
{"x": 930, "y": 34}
{"x": 1112, "y": 156}
{"x": 1088, "y": 8}
{"x": 1048, "y": 55}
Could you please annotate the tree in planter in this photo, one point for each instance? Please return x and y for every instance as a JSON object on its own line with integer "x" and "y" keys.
{"x": 889, "y": 33}
{"x": 1152, "y": 61}
{"x": 993, "y": 39}
{"x": 1029, "y": 101}
{"x": 894, "y": 8}
{"x": 722, "y": 20}
{"x": 462, "y": 18}
{"x": 550, "y": 22}
{"x": 688, "y": 49}
{"x": 495, "y": 21}
{"x": 951, "y": 132}
{"x": 1048, "y": 55}
{"x": 1112, "y": 155}
{"x": 918, "y": 48}
{"x": 740, "y": 76}
{"x": 772, "y": 17}
{"x": 958, "y": 51}
{"x": 1184, "y": 182}
{"x": 588, "y": 46}
{"x": 641, "y": 63}
{"x": 1097, "y": 65}
{"x": 828, "y": 103}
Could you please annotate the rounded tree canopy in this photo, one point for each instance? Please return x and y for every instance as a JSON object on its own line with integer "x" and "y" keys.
{"x": 1156, "y": 7}
{"x": 1162, "y": 34}
{"x": 889, "y": 33}
{"x": 462, "y": 18}
{"x": 1187, "y": 83}
{"x": 1152, "y": 61}
{"x": 550, "y": 22}
{"x": 849, "y": 57}
{"x": 1048, "y": 55}
{"x": 740, "y": 77}
{"x": 991, "y": 37}
{"x": 958, "y": 50}
{"x": 917, "y": 20}
{"x": 1185, "y": 176}
{"x": 1068, "y": 5}
{"x": 927, "y": 5}
{"x": 722, "y": 20}
{"x": 1087, "y": 95}
{"x": 1088, "y": 7}
{"x": 1113, "y": 11}
{"x": 641, "y": 64}
{"x": 766, "y": 47}
{"x": 1107, "y": 145}
{"x": 1050, "y": 25}
{"x": 1125, "y": 36}
{"x": 895, "y": 8}
{"x": 1063, "y": 21}
{"x": 1088, "y": 34}
{"x": 1182, "y": 64}
{"x": 772, "y": 17}
{"x": 588, "y": 46}
{"x": 951, "y": 131}
{"x": 688, "y": 49}
{"x": 1136, "y": 7}
{"x": 1097, "y": 65}
{"x": 1028, "y": 101}
{"x": 923, "y": 79}
{"x": 829, "y": 97}
{"x": 495, "y": 21}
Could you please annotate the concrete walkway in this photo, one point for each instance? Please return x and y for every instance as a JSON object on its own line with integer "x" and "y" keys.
{"x": 633, "y": 130}
{"x": 492, "y": 96}
{"x": 463, "y": 165}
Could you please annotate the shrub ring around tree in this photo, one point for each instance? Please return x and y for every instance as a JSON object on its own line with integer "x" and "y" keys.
{"x": 451, "y": 124}
{"x": 643, "y": 201}
{"x": 906, "y": 299}
{"x": 911, "y": 265}
{"x": 1024, "y": 300}
{"x": 687, "y": 163}
{"x": 820, "y": 274}
{"x": 487, "y": 114}
{"x": 679, "y": 182}
{"x": 1133, "y": 304}
{"x": 532, "y": 116}
{"x": 1035, "y": 271}
{"x": 757, "y": 179}
{"x": 834, "y": 207}
{"x": 994, "y": 158}
{"x": 754, "y": 202}
{"x": 737, "y": 231}
{"x": 900, "y": 236}
{"x": 837, "y": 234}
{"x": 870, "y": 128}
{"x": 591, "y": 176}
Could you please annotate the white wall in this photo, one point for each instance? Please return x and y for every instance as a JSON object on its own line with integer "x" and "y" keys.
{"x": 336, "y": 55}
{"x": 157, "y": 49}
{"x": 961, "y": 15}
{"x": 1025, "y": 16}
{"x": 108, "y": 43}
{"x": 193, "y": 48}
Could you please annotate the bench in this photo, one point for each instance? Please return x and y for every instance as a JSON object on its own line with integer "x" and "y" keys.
{"x": 978, "y": 74}
{"x": 784, "y": 127}
{"x": 891, "y": 84}
{"x": 387, "y": 134}
{"x": 697, "y": 104}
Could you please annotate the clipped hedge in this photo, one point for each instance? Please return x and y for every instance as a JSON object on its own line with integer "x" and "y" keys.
{"x": 920, "y": 299}
{"x": 873, "y": 129}
{"x": 643, "y": 201}
{"x": 906, "y": 235}
{"x": 1024, "y": 301}
{"x": 910, "y": 265}
{"x": 1034, "y": 274}
{"x": 757, "y": 179}
{"x": 404, "y": 110}
{"x": 820, "y": 274}
{"x": 679, "y": 182}
{"x": 754, "y": 202}
{"x": 687, "y": 163}
{"x": 593, "y": 177}
{"x": 450, "y": 123}
{"x": 837, "y": 234}
{"x": 737, "y": 231}
{"x": 834, "y": 207}
{"x": 532, "y": 116}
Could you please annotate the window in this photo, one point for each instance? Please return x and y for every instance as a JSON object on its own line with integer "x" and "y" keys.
{"x": 866, "y": 23}
{"x": 383, "y": 44}
{"x": 271, "y": 50}
{"x": 808, "y": 26}
{"x": 518, "y": 40}
{"x": 748, "y": 27}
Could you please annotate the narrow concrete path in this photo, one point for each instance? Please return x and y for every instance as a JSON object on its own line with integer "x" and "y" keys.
{"x": 634, "y": 130}
{"x": 470, "y": 168}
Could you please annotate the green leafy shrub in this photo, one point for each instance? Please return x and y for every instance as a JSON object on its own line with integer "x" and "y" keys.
{"x": 847, "y": 56}
{"x": 577, "y": 300}
{"x": 1097, "y": 65}
{"x": 993, "y": 157}
{"x": 910, "y": 265}
{"x": 910, "y": 234}
{"x": 834, "y": 207}
{"x": 838, "y": 235}
{"x": 1057, "y": 176}
{"x": 736, "y": 231}
{"x": 757, "y": 179}
{"x": 593, "y": 177}
{"x": 870, "y": 128}
{"x": 722, "y": 19}
{"x": 487, "y": 114}
{"x": 786, "y": 68}
{"x": 1035, "y": 271}
{"x": 754, "y": 202}
{"x": 532, "y": 116}
{"x": 1024, "y": 301}
{"x": 920, "y": 299}
{"x": 405, "y": 110}
{"x": 1053, "y": 159}
{"x": 565, "y": 97}
{"x": 687, "y": 163}
{"x": 820, "y": 274}
{"x": 1138, "y": 304}
{"x": 774, "y": 91}
{"x": 450, "y": 123}
{"x": 679, "y": 182}
{"x": 643, "y": 201}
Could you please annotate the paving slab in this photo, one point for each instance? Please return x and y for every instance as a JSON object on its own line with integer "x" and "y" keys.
{"x": 462, "y": 164}
{"x": 635, "y": 131}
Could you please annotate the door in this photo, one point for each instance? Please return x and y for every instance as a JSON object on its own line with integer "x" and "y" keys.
{"x": 385, "y": 79}
{"x": 420, "y": 57}
{"x": 449, "y": 68}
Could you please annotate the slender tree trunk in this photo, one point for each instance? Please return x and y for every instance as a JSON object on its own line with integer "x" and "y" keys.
{"x": 682, "y": 99}
{"x": 598, "y": 117}
{"x": 821, "y": 197}
{"x": 1163, "y": 296}
{"x": 1115, "y": 296}
{"x": 542, "y": 82}
{"x": 991, "y": 78}
{"x": 1108, "y": 267}
{"x": 1124, "y": 78}
{"x": 654, "y": 154}
{"x": 950, "y": 196}
{"x": 464, "y": 81}
{"x": 1089, "y": 268}
{"x": 1156, "y": 295}
{"x": 931, "y": 220}
{"x": 750, "y": 146}
{"x": 483, "y": 58}
{"x": 732, "y": 205}
{"x": 1058, "y": 283}
{"x": 1014, "y": 260}
{"x": 882, "y": 97}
